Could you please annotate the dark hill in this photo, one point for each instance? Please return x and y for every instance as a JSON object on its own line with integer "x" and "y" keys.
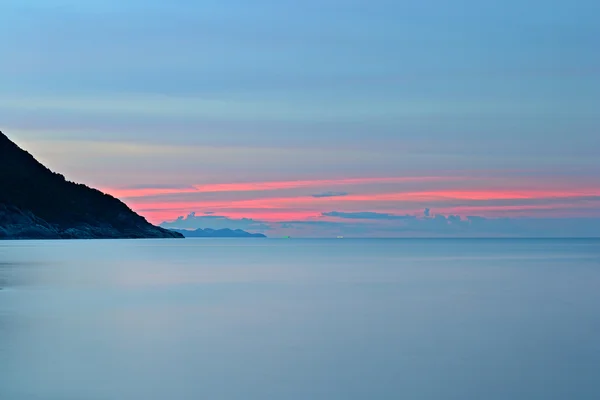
{"x": 219, "y": 233}
{"x": 36, "y": 203}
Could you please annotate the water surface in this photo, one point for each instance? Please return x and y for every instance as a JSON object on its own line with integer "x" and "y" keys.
{"x": 300, "y": 319}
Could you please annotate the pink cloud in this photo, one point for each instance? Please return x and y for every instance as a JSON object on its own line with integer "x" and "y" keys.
{"x": 286, "y": 208}
{"x": 268, "y": 185}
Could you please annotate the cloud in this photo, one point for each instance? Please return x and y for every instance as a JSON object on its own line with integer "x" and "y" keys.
{"x": 158, "y": 186}
{"x": 262, "y": 186}
{"x": 366, "y": 215}
{"x": 330, "y": 194}
{"x": 208, "y": 220}
{"x": 374, "y": 224}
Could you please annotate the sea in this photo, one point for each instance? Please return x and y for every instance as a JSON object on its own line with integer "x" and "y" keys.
{"x": 482, "y": 319}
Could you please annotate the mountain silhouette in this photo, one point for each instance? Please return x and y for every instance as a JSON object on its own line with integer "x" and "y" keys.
{"x": 219, "y": 233}
{"x": 36, "y": 203}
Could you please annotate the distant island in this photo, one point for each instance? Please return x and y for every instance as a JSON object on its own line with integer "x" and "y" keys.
{"x": 36, "y": 203}
{"x": 218, "y": 233}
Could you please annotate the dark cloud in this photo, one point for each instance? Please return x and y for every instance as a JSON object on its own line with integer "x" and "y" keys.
{"x": 316, "y": 223}
{"x": 366, "y": 215}
{"x": 381, "y": 224}
{"x": 330, "y": 194}
{"x": 193, "y": 221}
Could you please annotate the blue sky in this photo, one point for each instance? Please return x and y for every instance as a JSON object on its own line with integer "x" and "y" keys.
{"x": 494, "y": 97}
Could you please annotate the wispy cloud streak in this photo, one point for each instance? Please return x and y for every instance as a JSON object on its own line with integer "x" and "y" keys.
{"x": 133, "y": 192}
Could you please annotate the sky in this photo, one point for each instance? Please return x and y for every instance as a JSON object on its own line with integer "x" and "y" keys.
{"x": 317, "y": 117}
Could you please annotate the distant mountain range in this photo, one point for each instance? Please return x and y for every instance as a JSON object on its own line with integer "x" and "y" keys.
{"x": 36, "y": 203}
{"x": 218, "y": 233}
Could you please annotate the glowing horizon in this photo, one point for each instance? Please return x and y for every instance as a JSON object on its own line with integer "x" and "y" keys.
{"x": 561, "y": 203}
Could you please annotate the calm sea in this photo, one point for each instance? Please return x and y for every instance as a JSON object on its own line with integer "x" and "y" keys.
{"x": 300, "y": 319}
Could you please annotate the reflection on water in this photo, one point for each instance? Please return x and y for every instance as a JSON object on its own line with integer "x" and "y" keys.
{"x": 269, "y": 319}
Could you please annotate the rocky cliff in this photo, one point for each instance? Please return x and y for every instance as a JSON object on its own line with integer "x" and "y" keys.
{"x": 36, "y": 203}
